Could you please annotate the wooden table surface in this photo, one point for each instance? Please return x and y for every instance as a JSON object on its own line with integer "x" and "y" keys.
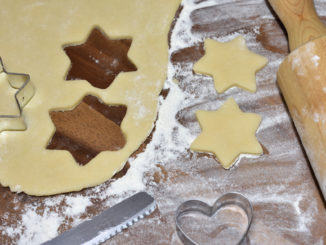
{"x": 288, "y": 206}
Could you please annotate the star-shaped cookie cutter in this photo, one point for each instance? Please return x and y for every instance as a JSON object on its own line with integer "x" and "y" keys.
{"x": 24, "y": 94}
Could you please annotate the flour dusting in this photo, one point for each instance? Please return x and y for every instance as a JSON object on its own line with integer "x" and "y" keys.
{"x": 32, "y": 223}
{"x": 315, "y": 59}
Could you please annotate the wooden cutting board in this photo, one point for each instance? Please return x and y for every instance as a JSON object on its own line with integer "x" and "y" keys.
{"x": 288, "y": 208}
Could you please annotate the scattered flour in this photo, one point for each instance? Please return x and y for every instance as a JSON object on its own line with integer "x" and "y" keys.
{"x": 316, "y": 59}
{"x": 37, "y": 228}
{"x": 296, "y": 64}
{"x": 76, "y": 205}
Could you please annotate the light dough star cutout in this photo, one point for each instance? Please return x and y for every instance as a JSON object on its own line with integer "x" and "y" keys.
{"x": 230, "y": 64}
{"x": 228, "y": 132}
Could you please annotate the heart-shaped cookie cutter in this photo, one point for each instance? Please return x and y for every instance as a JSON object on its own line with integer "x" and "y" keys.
{"x": 227, "y": 199}
{"x": 24, "y": 94}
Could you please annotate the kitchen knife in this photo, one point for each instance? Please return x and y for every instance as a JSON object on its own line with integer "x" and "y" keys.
{"x": 108, "y": 223}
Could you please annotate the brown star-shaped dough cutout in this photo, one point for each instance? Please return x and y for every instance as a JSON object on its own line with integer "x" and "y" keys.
{"x": 99, "y": 60}
{"x": 90, "y": 128}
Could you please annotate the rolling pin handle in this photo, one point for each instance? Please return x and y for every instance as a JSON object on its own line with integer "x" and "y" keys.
{"x": 300, "y": 20}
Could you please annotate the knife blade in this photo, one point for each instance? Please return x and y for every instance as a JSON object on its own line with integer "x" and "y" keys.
{"x": 108, "y": 223}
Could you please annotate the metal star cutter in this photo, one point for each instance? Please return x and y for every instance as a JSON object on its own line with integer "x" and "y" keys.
{"x": 24, "y": 94}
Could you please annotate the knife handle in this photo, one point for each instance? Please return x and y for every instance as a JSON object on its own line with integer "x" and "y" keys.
{"x": 300, "y": 20}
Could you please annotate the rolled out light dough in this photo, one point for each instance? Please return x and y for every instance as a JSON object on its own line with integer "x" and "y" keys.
{"x": 227, "y": 133}
{"x": 32, "y": 42}
{"x": 230, "y": 64}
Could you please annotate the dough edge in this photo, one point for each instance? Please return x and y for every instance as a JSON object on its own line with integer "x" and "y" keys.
{"x": 40, "y": 175}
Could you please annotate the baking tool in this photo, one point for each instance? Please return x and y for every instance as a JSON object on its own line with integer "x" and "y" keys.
{"x": 108, "y": 223}
{"x": 228, "y": 199}
{"x": 24, "y": 94}
{"x": 302, "y": 78}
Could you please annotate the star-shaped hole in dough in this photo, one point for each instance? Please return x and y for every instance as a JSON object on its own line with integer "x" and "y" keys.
{"x": 230, "y": 64}
{"x": 99, "y": 60}
{"x": 90, "y": 128}
{"x": 228, "y": 132}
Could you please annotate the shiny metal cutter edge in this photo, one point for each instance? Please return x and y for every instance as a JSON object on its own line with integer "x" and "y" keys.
{"x": 24, "y": 94}
{"x": 231, "y": 198}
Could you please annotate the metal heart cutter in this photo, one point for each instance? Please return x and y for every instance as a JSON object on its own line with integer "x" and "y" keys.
{"x": 233, "y": 201}
{"x": 23, "y": 95}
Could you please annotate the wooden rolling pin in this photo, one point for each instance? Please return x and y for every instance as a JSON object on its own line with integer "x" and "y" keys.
{"x": 302, "y": 78}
